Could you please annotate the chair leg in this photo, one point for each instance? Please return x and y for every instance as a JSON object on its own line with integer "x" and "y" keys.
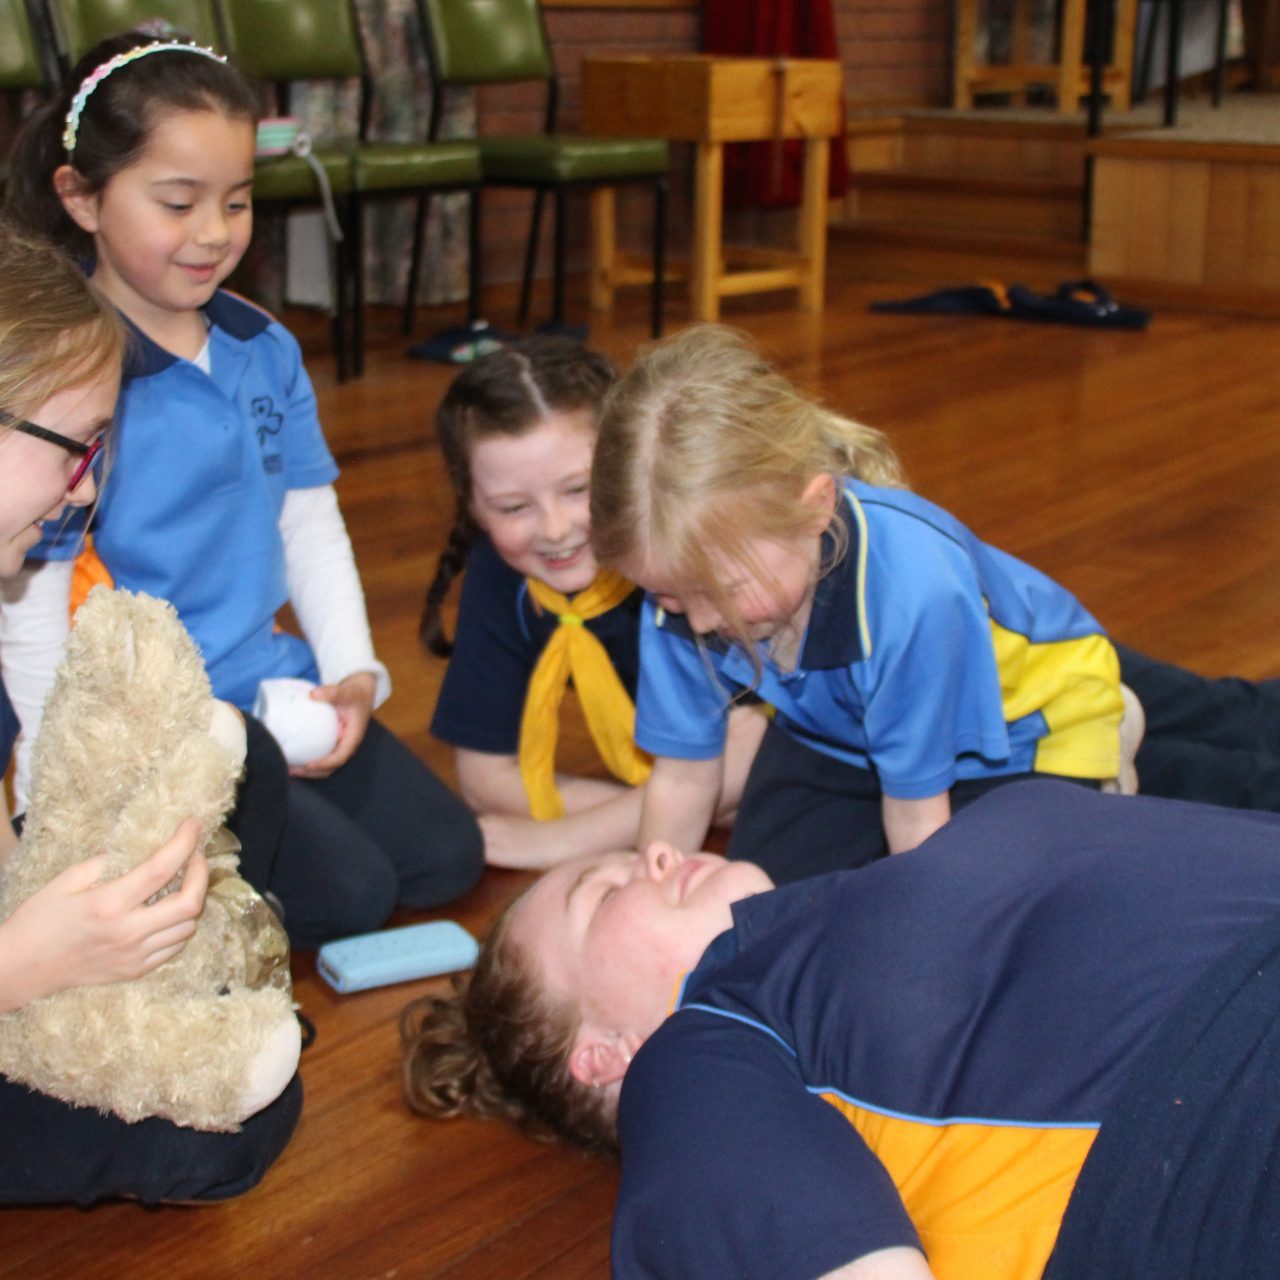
{"x": 530, "y": 256}
{"x": 659, "y": 253}
{"x": 415, "y": 265}
{"x": 1220, "y": 54}
{"x": 475, "y": 279}
{"x": 355, "y": 266}
{"x": 561, "y": 238}
{"x": 338, "y": 258}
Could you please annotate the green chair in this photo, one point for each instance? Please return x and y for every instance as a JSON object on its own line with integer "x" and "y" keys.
{"x": 287, "y": 182}
{"x": 286, "y": 40}
{"x": 475, "y": 42}
{"x": 26, "y": 56}
{"x": 80, "y": 24}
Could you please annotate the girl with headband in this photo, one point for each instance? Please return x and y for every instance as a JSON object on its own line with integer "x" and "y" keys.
{"x": 222, "y": 497}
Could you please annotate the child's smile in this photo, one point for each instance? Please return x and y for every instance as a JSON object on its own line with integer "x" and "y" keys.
{"x": 169, "y": 228}
{"x": 531, "y": 494}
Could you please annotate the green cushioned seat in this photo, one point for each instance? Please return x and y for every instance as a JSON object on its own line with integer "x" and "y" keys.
{"x": 292, "y": 178}
{"x": 21, "y": 65}
{"x": 562, "y": 157}
{"x": 397, "y": 166}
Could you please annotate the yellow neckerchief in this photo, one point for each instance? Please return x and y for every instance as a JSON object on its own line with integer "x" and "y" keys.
{"x": 573, "y": 651}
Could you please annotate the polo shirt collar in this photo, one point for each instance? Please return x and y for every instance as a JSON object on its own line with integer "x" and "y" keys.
{"x": 834, "y": 637}
{"x": 237, "y": 318}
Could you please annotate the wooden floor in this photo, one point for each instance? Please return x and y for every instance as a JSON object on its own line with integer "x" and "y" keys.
{"x": 1140, "y": 469}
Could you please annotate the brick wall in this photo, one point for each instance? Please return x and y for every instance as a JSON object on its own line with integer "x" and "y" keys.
{"x": 894, "y": 52}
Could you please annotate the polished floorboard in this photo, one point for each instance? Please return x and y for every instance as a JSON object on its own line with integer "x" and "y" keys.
{"x": 1142, "y": 470}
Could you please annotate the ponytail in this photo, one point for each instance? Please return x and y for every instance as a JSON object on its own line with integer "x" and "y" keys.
{"x": 452, "y": 561}
{"x": 497, "y": 1047}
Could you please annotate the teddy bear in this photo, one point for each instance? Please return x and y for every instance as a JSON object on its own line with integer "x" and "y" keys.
{"x": 132, "y": 742}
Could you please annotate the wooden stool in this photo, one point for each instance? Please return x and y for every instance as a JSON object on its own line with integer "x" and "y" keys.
{"x": 1069, "y": 76}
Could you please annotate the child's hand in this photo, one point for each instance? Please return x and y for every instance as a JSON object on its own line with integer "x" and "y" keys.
{"x": 352, "y": 699}
{"x": 80, "y": 931}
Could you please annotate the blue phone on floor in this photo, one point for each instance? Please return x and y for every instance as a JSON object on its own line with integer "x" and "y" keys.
{"x": 396, "y": 955}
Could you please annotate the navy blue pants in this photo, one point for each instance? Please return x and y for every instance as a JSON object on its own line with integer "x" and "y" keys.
{"x": 342, "y": 852}
{"x": 1216, "y": 741}
{"x": 53, "y": 1153}
{"x": 804, "y": 813}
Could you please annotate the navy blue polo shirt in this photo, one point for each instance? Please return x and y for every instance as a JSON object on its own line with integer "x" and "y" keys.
{"x": 500, "y": 636}
{"x": 921, "y": 1051}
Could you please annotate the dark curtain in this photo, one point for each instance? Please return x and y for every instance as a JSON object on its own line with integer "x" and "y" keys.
{"x": 767, "y": 174}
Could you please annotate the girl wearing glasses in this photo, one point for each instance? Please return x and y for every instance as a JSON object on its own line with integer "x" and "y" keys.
{"x": 60, "y": 351}
{"x": 222, "y": 496}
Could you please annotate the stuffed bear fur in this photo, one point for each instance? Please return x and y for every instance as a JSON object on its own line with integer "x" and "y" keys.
{"x": 132, "y": 742}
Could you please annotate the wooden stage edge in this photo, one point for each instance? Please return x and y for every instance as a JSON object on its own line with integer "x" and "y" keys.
{"x": 1186, "y": 217}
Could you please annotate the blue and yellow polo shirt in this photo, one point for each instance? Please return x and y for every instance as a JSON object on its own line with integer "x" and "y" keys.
{"x": 920, "y": 1051}
{"x": 929, "y": 657}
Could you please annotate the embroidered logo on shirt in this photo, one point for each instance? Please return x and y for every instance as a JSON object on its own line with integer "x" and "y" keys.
{"x": 266, "y": 421}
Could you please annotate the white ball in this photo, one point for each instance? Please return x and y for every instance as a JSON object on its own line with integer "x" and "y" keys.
{"x": 304, "y": 728}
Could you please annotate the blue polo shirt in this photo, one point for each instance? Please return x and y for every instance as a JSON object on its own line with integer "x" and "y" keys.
{"x": 920, "y": 1052}
{"x": 500, "y": 636}
{"x": 202, "y": 462}
{"x": 929, "y": 656}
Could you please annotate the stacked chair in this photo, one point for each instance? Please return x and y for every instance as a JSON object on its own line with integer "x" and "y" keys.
{"x": 25, "y": 63}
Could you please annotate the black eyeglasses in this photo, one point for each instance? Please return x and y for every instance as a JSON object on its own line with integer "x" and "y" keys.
{"x": 87, "y": 453}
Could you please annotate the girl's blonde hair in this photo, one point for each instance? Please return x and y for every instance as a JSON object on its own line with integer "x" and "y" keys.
{"x": 705, "y": 447}
{"x": 56, "y": 329}
{"x": 498, "y": 1047}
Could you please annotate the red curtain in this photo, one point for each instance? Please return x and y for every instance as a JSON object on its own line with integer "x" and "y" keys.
{"x": 764, "y": 174}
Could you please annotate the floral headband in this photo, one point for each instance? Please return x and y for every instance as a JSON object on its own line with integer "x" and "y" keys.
{"x": 99, "y": 74}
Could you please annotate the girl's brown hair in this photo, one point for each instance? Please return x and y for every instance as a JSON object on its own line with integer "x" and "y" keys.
{"x": 114, "y": 127}
{"x": 505, "y": 393}
{"x": 498, "y": 1047}
{"x": 705, "y": 447}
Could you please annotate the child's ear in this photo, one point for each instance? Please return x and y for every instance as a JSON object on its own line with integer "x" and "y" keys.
{"x": 598, "y": 1060}
{"x": 81, "y": 205}
{"x": 820, "y": 497}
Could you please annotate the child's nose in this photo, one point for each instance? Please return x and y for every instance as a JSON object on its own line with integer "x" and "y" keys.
{"x": 703, "y": 616}
{"x": 556, "y": 523}
{"x": 84, "y": 492}
{"x": 660, "y": 859}
{"x": 213, "y": 228}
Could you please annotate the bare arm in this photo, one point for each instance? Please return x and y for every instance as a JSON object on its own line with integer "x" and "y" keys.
{"x": 79, "y": 931}
{"x": 679, "y": 801}
{"x": 898, "y": 1263}
{"x": 909, "y": 822}
{"x": 599, "y": 816}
